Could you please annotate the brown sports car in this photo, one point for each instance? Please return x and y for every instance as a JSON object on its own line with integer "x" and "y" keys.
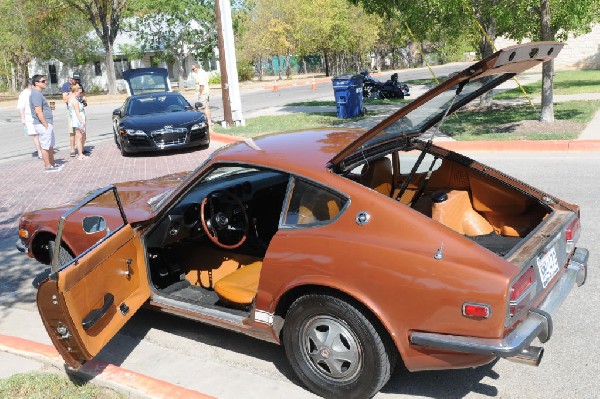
{"x": 355, "y": 250}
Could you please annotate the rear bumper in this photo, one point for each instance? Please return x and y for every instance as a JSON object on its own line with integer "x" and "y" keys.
{"x": 537, "y": 324}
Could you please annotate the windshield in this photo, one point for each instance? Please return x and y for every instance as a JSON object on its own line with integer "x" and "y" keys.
{"x": 418, "y": 116}
{"x": 422, "y": 118}
{"x": 157, "y": 104}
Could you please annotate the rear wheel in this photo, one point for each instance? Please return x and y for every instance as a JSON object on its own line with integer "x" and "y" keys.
{"x": 335, "y": 349}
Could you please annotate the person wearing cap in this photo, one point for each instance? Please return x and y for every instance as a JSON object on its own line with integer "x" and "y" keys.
{"x": 26, "y": 118}
{"x": 66, "y": 92}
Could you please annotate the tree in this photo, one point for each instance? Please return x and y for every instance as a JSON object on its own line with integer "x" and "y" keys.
{"x": 548, "y": 21}
{"x": 36, "y": 29}
{"x": 105, "y": 17}
{"x": 339, "y": 31}
{"x": 175, "y": 29}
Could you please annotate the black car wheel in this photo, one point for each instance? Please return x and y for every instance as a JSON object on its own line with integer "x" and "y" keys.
{"x": 335, "y": 349}
{"x": 64, "y": 256}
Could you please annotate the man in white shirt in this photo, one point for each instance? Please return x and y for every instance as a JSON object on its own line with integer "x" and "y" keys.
{"x": 26, "y": 118}
{"x": 202, "y": 91}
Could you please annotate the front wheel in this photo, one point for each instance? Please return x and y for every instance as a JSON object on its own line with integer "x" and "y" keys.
{"x": 64, "y": 256}
{"x": 335, "y": 349}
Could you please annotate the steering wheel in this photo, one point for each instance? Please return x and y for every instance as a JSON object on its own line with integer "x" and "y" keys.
{"x": 224, "y": 219}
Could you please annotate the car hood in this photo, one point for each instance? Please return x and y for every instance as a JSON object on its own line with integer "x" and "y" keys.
{"x": 424, "y": 112}
{"x": 138, "y": 198}
{"x": 147, "y": 80}
{"x": 152, "y": 121}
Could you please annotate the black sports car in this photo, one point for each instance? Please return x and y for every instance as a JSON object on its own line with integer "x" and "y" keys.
{"x": 154, "y": 118}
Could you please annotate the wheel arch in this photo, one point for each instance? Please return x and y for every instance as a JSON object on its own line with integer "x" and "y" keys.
{"x": 287, "y": 299}
{"x": 40, "y": 248}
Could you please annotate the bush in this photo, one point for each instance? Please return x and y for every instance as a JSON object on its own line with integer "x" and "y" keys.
{"x": 214, "y": 79}
{"x": 245, "y": 71}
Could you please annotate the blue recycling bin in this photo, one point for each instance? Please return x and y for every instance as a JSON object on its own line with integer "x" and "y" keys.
{"x": 348, "y": 95}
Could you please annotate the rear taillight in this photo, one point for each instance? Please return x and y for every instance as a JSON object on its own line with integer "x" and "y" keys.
{"x": 519, "y": 290}
{"x": 572, "y": 234}
{"x": 476, "y": 310}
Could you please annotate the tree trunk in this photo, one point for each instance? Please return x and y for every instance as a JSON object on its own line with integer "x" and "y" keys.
{"x": 111, "y": 79}
{"x": 548, "y": 67}
{"x": 486, "y": 48}
{"x": 180, "y": 72}
{"x": 326, "y": 59}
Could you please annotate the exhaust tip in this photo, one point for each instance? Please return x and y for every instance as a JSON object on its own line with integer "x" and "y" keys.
{"x": 531, "y": 355}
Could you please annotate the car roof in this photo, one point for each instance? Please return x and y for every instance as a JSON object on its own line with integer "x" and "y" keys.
{"x": 302, "y": 152}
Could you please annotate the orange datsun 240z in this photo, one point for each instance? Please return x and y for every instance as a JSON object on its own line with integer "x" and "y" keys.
{"x": 355, "y": 250}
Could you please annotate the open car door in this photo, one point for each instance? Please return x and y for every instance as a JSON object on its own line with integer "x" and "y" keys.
{"x": 85, "y": 302}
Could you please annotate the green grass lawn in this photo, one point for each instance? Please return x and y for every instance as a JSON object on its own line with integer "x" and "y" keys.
{"x": 470, "y": 126}
{"x": 280, "y": 123}
{"x": 51, "y": 385}
{"x": 565, "y": 82}
{"x": 467, "y": 125}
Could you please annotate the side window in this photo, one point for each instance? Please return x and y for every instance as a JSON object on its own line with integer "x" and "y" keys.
{"x": 312, "y": 205}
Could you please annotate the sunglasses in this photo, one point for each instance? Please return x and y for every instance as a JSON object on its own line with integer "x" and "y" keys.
{"x": 42, "y": 81}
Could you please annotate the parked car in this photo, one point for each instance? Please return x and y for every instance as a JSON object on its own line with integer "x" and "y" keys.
{"x": 153, "y": 118}
{"x": 355, "y": 250}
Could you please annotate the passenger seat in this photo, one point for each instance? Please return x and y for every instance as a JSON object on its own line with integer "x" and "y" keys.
{"x": 378, "y": 175}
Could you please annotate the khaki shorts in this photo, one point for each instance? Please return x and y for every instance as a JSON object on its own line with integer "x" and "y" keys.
{"x": 46, "y": 136}
{"x": 204, "y": 99}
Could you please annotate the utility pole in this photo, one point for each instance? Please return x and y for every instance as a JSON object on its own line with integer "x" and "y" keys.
{"x": 232, "y": 104}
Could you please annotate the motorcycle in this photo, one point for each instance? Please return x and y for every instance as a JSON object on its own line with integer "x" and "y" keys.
{"x": 373, "y": 88}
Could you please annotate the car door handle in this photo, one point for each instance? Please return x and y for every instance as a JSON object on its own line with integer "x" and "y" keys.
{"x": 96, "y": 314}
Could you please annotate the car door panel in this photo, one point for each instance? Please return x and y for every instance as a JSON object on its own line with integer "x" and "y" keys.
{"x": 85, "y": 304}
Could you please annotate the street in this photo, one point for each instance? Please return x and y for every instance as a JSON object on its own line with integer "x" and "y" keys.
{"x": 257, "y": 100}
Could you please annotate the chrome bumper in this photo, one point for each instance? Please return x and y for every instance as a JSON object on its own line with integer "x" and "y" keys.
{"x": 538, "y": 323}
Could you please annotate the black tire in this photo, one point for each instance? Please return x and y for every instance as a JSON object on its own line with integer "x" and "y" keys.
{"x": 357, "y": 363}
{"x": 122, "y": 149}
{"x": 64, "y": 256}
{"x": 115, "y": 135}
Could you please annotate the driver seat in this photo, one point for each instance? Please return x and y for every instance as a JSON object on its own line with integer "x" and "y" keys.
{"x": 239, "y": 288}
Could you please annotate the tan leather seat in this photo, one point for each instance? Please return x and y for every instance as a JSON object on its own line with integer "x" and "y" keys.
{"x": 240, "y": 287}
{"x": 377, "y": 175}
{"x": 457, "y": 213}
{"x": 318, "y": 207}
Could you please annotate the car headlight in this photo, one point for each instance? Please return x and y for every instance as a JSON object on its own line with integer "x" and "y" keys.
{"x": 134, "y": 132}
{"x": 198, "y": 126}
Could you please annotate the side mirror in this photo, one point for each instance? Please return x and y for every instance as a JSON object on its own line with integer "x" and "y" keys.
{"x": 199, "y": 105}
{"x": 93, "y": 224}
{"x": 117, "y": 112}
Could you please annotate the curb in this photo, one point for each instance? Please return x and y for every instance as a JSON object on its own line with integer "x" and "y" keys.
{"x": 500, "y": 146}
{"x": 105, "y": 374}
{"x": 523, "y": 145}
